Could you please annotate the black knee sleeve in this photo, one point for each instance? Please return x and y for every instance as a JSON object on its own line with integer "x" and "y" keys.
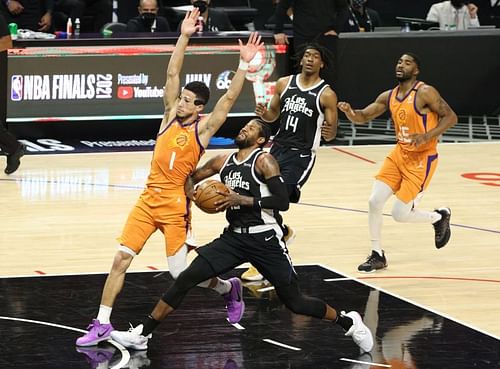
{"x": 299, "y": 303}
{"x": 198, "y": 271}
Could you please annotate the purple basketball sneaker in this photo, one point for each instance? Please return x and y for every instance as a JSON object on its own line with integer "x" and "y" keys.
{"x": 234, "y": 301}
{"x": 97, "y": 332}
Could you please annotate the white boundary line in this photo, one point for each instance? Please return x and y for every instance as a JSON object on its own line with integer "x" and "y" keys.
{"x": 124, "y": 352}
{"x": 337, "y": 279}
{"x": 365, "y": 362}
{"x": 265, "y": 289}
{"x": 273, "y": 342}
{"x": 414, "y": 303}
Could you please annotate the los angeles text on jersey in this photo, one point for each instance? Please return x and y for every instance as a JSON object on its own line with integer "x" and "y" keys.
{"x": 235, "y": 180}
{"x": 294, "y": 104}
{"x": 62, "y": 87}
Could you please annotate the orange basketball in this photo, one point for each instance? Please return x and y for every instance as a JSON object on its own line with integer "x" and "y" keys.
{"x": 206, "y": 195}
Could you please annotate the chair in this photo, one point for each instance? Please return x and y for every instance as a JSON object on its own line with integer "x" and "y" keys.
{"x": 114, "y": 27}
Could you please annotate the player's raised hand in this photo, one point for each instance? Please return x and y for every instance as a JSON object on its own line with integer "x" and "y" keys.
{"x": 260, "y": 109}
{"x": 188, "y": 26}
{"x": 248, "y": 50}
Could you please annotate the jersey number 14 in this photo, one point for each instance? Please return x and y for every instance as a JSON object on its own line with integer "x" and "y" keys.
{"x": 291, "y": 123}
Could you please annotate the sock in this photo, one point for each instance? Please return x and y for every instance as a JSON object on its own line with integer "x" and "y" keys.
{"x": 222, "y": 286}
{"x": 104, "y": 314}
{"x": 149, "y": 325}
{"x": 376, "y": 247}
{"x": 344, "y": 321}
{"x": 436, "y": 217}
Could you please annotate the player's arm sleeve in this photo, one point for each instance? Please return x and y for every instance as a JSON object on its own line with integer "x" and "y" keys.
{"x": 279, "y": 196}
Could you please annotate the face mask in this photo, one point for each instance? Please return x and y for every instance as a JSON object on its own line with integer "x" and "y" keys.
{"x": 457, "y": 3}
{"x": 358, "y": 3}
{"x": 202, "y": 5}
{"x": 148, "y": 18}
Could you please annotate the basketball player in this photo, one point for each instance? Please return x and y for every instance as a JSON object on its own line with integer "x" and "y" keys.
{"x": 163, "y": 205}
{"x": 8, "y": 143}
{"x": 254, "y": 234}
{"x": 307, "y": 108}
{"x": 420, "y": 116}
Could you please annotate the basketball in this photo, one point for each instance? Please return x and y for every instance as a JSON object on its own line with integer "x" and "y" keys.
{"x": 206, "y": 195}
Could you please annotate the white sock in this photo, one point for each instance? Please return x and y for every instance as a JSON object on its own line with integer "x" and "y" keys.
{"x": 104, "y": 314}
{"x": 222, "y": 286}
{"x": 381, "y": 192}
{"x": 436, "y": 217}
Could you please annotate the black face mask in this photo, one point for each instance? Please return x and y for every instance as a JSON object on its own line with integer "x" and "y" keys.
{"x": 457, "y": 3}
{"x": 200, "y": 5}
{"x": 148, "y": 19}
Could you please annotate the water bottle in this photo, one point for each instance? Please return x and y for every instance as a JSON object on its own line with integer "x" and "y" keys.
{"x": 69, "y": 28}
{"x": 77, "y": 27}
{"x": 13, "y": 30}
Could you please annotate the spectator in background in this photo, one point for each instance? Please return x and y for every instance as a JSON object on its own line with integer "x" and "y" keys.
{"x": 8, "y": 143}
{"x": 317, "y": 21}
{"x": 454, "y": 15}
{"x": 148, "y": 19}
{"x": 35, "y": 15}
{"x": 313, "y": 20}
{"x": 361, "y": 18}
{"x": 214, "y": 20}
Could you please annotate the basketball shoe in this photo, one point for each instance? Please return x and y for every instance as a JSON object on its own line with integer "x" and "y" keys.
{"x": 97, "y": 357}
{"x": 373, "y": 262}
{"x": 442, "y": 231}
{"x": 132, "y": 338}
{"x": 14, "y": 159}
{"x": 97, "y": 332}
{"x": 359, "y": 332}
{"x": 252, "y": 274}
{"x": 234, "y": 301}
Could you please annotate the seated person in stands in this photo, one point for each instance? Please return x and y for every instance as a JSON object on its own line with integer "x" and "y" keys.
{"x": 148, "y": 19}
{"x": 214, "y": 20}
{"x": 35, "y": 15}
{"x": 454, "y": 15}
{"x": 361, "y": 18}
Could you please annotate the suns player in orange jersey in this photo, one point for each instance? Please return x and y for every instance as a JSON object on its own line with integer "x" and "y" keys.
{"x": 420, "y": 116}
{"x": 163, "y": 205}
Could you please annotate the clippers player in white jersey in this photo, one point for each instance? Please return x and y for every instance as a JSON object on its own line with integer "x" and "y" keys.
{"x": 306, "y": 106}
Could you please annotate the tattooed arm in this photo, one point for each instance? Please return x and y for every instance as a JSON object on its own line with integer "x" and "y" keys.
{"x": 430, "y": 99}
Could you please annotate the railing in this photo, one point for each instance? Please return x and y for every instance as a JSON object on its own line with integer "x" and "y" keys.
{"x": 381, "y": 131}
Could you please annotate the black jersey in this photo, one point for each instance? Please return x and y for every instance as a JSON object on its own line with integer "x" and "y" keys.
{"x": 301, "y": 115}
{"x": 242, "y": 178}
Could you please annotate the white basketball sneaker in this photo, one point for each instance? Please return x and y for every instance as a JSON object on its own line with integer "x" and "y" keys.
{"x": 359, "y": 332}
{"x": 133, "y": 338}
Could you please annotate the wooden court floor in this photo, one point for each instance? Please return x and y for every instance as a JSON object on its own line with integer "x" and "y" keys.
{"x": 60, "y": 214}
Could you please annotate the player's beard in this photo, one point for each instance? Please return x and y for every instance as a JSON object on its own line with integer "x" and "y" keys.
{"x": 405, "y": 77}
{"x": 242, "y": 143}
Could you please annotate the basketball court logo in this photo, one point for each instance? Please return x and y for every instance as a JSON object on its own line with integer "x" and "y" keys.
{"x": 16, "y": 90}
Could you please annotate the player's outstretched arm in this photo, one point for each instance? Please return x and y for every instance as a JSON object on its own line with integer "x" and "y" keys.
{"x": 172, "y": 85}
{"x": 361, "y": 116}
{"x": 214, "y": 121}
